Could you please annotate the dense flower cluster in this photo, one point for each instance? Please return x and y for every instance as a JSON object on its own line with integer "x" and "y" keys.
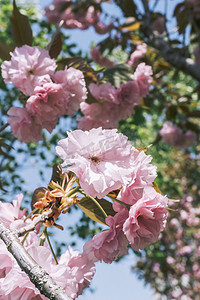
{"x": 50, "y": 94}
{"x": 139, "y": 52}
{"x": 115, "y": 104}
{"x": 73, "y": 272}
{"x": 82, "y": 18}
{"x": 173, "y": 135}
{"x": 105, "y": 160}
{"x": 177, "y": 275}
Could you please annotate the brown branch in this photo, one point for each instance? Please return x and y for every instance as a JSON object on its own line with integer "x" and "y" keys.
{"x": 170, "y": 54}
{"x": 39, "y": 277}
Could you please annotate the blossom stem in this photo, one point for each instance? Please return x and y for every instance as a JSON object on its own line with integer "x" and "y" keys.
{"x": 24, "y": 238}
{"x": 32, "y": 212}
{"x": 47, "y": 236}
{"x": 75, "y": 190}
{"x": 96, "y": 202}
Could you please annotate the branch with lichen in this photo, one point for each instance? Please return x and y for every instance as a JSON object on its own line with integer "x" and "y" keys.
{"x": 38, "y": 276}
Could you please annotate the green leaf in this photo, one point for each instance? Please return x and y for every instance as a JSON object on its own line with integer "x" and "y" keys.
{"x": 80, "y": 64}
{"x": 20, "y": 28}
{"x": 90, "y": 99}
{"x": 5, "y": 51}
{"x": 93, "y": 211}
{"x": 118, "y": 74}
{"x": 55, "y": 45}
{"x": 128, "y": 7}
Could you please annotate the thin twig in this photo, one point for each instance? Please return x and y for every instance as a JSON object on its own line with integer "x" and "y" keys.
{"x": 39, "y": 219}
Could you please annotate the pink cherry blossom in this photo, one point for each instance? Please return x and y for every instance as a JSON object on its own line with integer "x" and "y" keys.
{"x": 81, "y": 269}
{"x": 170, "y": 260}
{"x": 129, "y": 94}
{"x": 114, "y": 105}
{"x": 47, "y": 104}
{"x": 26, "y": 66}
{"x": 185, "y": 250}
{"x": 139, "y": 52}
{"x": 99, "y": 59}
{"x": 81, "y": 19}
{"x": 11, "y": 211}
{"x": 73, "y": 273}
{"x": 173, "y": 135}
{"x": 143, "y": 77}
{"x": 100, "y": 158}
{"x": 104, "y": 91}
{"x": 23, "y": 126}
{"x": 147, "y": 218}
{"x": 98, "y": 115}
{"x": 108, "y": 244}
{"x": 73, "y": 83}
{"x": 143, "y": 175}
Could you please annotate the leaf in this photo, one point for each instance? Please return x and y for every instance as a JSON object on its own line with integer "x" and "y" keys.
{"x": 93, "y": 211}
{"x": 171, "y": 112}
{"x": 144, "y": 148}
{"x": 132, "y": 27}
{"x": 38, "y": 194}
{"x": 55, "y": 45}
{"x": 154, "y": 185}
{"x": 20, "y": 28}
{"x": 118, "y": 74}
{"x": 57, "y": 174}
{"x": 178, "y": 8}
{"x": 183, "y": 19}
{"x": 5, "y": 51}
{"x": 90, "y": 99}
{"x": 128, "y": 7}
{"x": 80, "y": 64}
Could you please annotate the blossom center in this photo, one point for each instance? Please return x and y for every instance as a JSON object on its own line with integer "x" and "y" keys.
{"x": 31, "y": 72}
{"x": 95, "y": 159}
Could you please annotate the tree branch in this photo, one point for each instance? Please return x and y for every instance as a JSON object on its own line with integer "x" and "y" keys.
{"x": 170, "y": 54}
{"x": 39, "y": 277}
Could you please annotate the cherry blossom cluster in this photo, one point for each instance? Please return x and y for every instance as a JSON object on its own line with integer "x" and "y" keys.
{"x": 179, "y": 268}
{"x": 49, "y": 93}
{"x": 73, "y": 272}
{"x": 105, "y": 162}
{"x": 115, "y": 104}
{"x": 82, "y": 18}
{"x": 173, "y": 135}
